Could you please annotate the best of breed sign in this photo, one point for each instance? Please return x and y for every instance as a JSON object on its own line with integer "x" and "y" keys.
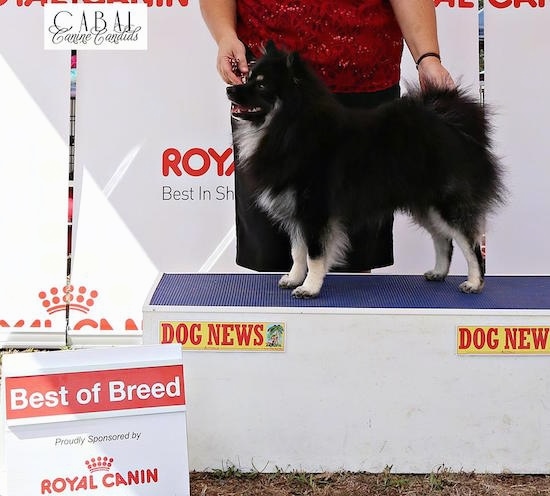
{"x": 102, "y": 421}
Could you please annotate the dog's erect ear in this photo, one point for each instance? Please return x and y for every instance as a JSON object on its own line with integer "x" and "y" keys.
{"x": 295, "y": 65}
{"x": 270, "y": 47}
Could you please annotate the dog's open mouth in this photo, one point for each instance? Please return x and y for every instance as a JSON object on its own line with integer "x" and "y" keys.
{"x": 244, "y": 111}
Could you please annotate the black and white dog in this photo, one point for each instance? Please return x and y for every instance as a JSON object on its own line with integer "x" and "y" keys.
{"x": 322, "y": 169}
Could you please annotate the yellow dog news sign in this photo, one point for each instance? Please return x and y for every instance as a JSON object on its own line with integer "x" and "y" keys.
{"x": 503, "y": 340}
{"x": 224, "y": 336}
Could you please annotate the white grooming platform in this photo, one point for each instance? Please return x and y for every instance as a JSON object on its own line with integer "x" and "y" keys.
{"x": 369, "y": 377}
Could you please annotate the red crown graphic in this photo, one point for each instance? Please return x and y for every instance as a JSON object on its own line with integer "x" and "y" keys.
{"x": 58, "y": 300}
{"x": 99, "y": 463}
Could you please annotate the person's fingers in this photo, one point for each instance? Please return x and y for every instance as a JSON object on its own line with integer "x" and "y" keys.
{"x": 435, "y": 75}
{"x": 226, "y": 68}
{"x": 232, "y": 60}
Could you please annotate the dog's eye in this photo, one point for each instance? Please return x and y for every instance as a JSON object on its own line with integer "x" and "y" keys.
{"x": 260, "y": 82}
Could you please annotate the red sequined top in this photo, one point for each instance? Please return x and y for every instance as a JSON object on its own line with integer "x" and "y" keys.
{"x": 355, "y": 45}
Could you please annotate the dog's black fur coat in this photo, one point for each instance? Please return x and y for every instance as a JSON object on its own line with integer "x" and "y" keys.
{"x": 321, "y": 169}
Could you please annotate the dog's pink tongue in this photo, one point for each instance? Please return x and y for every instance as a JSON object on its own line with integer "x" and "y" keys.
{"x": 237, "y": 109}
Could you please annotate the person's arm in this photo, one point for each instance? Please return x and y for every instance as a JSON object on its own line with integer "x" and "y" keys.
{"x": 417, "y": 21}
{"x": 220, "y": 17}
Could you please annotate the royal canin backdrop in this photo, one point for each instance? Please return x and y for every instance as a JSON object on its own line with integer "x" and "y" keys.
{"x": 34, "y": 130}
{"x": 153, "y": 182}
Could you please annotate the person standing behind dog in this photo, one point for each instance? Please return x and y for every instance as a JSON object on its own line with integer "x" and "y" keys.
{"x": 356, "y": 47}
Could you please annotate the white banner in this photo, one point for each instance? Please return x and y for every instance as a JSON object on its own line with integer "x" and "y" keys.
{"x": 517, "y": 68}
{"x": 34, "y": 158}
{"x": 154, "y": 157}
{"x": 154, "y": 181}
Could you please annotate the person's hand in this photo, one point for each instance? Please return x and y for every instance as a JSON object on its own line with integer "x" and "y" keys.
{"x": 231, "y": 62}
{"x": 432, "y": 72}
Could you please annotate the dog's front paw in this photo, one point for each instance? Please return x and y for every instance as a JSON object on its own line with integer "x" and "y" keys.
{"x": 303, "y": 293}
{"x": 432, "y": 275}
{"x": 287, "y": 282}
{"x": 470, "y": 287}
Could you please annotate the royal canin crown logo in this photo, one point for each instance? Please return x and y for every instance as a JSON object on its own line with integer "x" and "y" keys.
{"x": 57, "y": 301}
{"x": 69, "y": 299}
{"x": 100, "y": 476}
{"x": 99, "y": 463}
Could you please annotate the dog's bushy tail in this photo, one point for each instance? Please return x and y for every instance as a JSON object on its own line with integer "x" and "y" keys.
{"x": 461, "y": 110}
{"x": 464, "y": 112}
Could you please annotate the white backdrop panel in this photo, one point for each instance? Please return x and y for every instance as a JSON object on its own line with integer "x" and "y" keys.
{"x": 132, "y": 106}
{"x": 34, "y": 157}
{"x": 517, "y": 68}
{"x": 138, "y": 216}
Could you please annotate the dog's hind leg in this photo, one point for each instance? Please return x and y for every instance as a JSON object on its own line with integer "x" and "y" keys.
{"x": 443, "y": 255}
{"x": 298, "y": 271}
{"x": 443, "y": 244}
{"x": 468, "y": 242}
{"x": 476, "y": 265}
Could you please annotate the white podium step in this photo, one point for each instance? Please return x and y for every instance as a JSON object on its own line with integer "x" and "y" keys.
{"x": 377, "y": 371}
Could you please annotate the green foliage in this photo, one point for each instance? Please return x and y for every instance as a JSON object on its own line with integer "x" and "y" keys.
{"x": 396, "y": 481}
{"x": 439, "y": 479}
{"x": 230, "y": 471}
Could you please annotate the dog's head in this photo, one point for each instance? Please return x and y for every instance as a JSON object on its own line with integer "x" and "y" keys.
{"x": 271, "y": 79}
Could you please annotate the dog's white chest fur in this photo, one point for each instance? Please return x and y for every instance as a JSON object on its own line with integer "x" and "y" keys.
{"x": 248, "y": 137}
{"x": 281, "y": 207}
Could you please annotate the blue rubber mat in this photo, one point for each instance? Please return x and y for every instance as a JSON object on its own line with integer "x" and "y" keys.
{"x": 352, "y": 291}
